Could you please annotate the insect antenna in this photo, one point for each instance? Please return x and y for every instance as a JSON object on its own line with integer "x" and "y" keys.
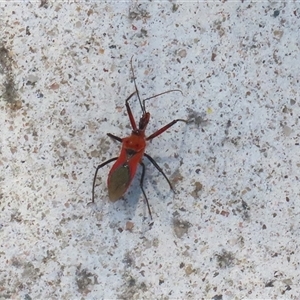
{"x": 159, "y": 95}
{"x": 137, "y": 91}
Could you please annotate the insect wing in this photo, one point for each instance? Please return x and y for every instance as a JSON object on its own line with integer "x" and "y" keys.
{"x": 121, "y": 175}
{"x": 118, "y": 181}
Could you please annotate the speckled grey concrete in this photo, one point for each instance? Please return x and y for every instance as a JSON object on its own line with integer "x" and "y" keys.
{"x": 232, "y": 229}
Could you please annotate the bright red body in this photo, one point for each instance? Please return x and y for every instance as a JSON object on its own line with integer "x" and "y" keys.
{"x": 124, "y": 169}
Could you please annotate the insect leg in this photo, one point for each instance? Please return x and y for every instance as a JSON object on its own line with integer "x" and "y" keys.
{"x": 136, "y": 89}
{"x": 95, "y": 176}
{"x": 130, "y": 115}
{"x": 159, "y": 169}
{"x": 163, "y": 129}
{"x": 141, "y": 185}
{"x": 114, "y": 137}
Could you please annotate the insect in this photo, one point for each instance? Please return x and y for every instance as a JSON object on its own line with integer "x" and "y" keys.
{"x": 132, "y": 152}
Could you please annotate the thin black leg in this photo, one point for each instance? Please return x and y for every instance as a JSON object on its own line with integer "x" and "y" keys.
{"x": 114, "y": 137}
{"x": 95, "y": 176}
{"x": 141, "y": 185}
{"x": 159, "y": 169}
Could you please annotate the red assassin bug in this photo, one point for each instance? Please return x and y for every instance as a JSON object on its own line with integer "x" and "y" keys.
{"x": 132, "y": 152}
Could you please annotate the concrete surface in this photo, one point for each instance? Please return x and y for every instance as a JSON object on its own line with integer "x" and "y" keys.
{"x": 231, "y": 231}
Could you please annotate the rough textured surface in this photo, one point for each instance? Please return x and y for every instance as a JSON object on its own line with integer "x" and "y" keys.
{"x": 231, "y": 231}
